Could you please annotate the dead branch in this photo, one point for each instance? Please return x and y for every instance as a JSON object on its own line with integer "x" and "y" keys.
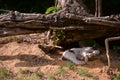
{"x": 107, "y": 47}
{"x": 17, "y": 31}
{"x": 100, "y": 21}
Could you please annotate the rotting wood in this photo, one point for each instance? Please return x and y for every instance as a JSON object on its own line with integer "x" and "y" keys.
{"x": 37, "y": 21}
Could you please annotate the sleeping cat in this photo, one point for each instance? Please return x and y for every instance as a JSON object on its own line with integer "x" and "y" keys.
{"x": 76, "y": 55}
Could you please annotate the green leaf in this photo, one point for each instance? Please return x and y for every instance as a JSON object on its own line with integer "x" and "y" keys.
{"x": 52, "y": 9}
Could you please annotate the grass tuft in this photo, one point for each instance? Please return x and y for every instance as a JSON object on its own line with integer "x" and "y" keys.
{"x": 39, "y": 73}
{"x": 70, "y": 65}
{"x": 89, "y": 75}
{"x": 18, "y": 79}
{"x": 25, "y": 71}
{"x": 118, "y": 69}
{"x": 3, "y": 72}
{"x": 117, "y": 77}
{"x": 82, "y": 71}
{"x": 61, "y": 70}
{"x": 31, "y": 78}
{"x": 50, "y": 77}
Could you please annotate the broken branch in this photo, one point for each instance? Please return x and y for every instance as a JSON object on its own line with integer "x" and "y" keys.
{"x": 107, "y": 47}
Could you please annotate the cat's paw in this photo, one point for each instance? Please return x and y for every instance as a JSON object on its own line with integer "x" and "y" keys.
{"x": 80, "y": 62}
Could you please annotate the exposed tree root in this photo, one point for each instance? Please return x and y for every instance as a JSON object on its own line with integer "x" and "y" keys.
{"x": 107, "y": 47}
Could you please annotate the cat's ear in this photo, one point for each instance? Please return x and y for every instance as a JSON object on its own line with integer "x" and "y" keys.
{"x": 94, "y": 47}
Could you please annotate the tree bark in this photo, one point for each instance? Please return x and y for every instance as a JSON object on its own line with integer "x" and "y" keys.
{"x": 73, "y": 17}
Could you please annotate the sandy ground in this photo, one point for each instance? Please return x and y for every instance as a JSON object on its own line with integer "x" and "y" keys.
{"x": 28, "y": 56}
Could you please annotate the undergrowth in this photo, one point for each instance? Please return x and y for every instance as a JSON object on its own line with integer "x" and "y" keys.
{"x": 82, "y": 71}
{"x": 70, "y": 65}
{"x": 5, "y": 74}
{"x": 61, "y": 71}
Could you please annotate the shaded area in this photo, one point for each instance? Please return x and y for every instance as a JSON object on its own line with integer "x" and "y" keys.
{"x": 95, "y": 67}
{"x": 73, "y": 17}
{"x": 108, "y": 7}
{"x": 31, "y": 60}
{"x": 111, "y": 7}
{"x": 31, "y": 6}
{"x": 40, "y": 6}
{"x": 36, "y": 61}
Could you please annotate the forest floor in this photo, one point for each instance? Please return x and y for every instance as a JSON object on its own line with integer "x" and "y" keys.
{"x": 22, "y": 59}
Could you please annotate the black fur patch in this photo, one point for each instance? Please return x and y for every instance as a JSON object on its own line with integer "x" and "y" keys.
{"x": 72, "y": 51}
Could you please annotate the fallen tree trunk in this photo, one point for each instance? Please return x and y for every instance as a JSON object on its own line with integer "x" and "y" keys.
{"x": 74, "y": 16}
{"x": 79, "y": 25}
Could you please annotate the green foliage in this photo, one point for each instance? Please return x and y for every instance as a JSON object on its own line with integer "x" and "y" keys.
{"x": 82, "y": 71}
{"x": 89, "y": 42}
{"x": 25, "y": 71}
{"x": 52, "y": 9}
{"x": 118, "y": 69}
{"x": 50, "y": 77}
{"x": 58, "y": 35}
{"x": 3, "y": 72}
{"x": 117, "y": 77}
{"x": 30, "y": 78}
{"x": 70, "y": 65}
{"x": 14, "y": 38}
{"x": 18, "y": 79}
{"x": 39, "y": 73}
{"x": 116, "y": 48}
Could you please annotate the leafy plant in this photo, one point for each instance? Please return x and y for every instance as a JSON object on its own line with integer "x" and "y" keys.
{"x": 52, "y": 9}
{"x": 58, "y": 35}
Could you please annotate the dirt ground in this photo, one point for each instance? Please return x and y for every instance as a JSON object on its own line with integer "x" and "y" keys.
{"x": 26, "y": 61}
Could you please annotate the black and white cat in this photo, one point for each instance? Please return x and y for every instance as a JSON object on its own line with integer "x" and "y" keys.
{"x": 74, "y": 54}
